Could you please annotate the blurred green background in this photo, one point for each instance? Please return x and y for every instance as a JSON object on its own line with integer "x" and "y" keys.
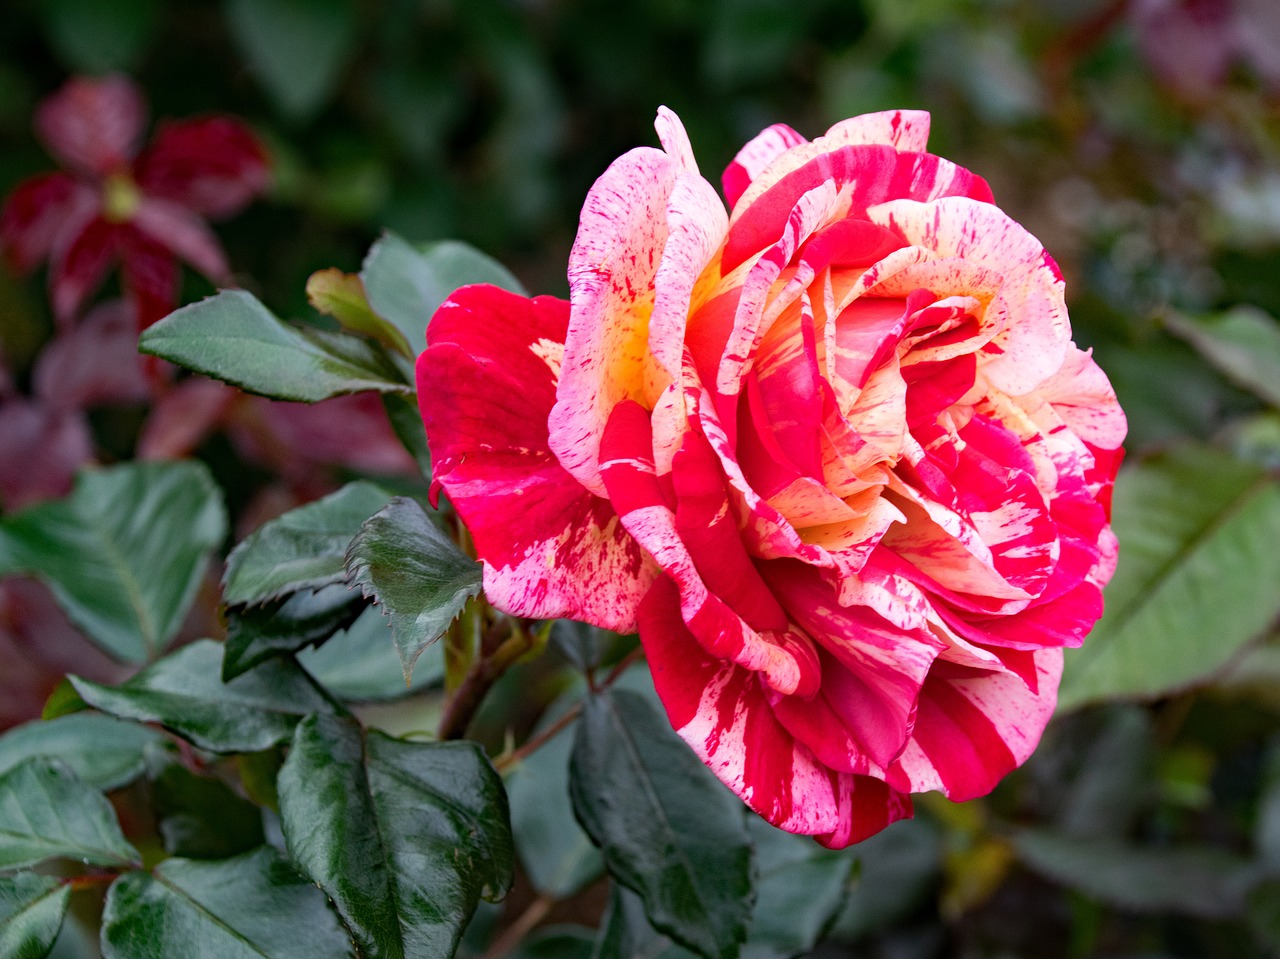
{"x": 1140, "y": 141}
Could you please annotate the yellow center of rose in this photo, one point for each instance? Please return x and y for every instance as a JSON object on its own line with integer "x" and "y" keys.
{"x": 120, "y": 198}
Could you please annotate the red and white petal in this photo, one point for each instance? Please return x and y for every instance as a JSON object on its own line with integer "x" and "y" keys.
{"x": 92, "y": 125}
{"x": 974, "y": 727}
{"x": 486, "y": 383}
{"x": 753, "y": 158}
{"x": 1082, "y": 396}
{"x": 212, "y": 165}
{"x": 621, "y": 236}
{"x": 905, "y": 130}
{"x": 1032, "y": 348}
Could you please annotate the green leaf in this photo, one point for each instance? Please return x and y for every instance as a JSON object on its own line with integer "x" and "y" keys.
{"x": 360, "y": 663}
{"x": 31, "y": 911}
{"x": 200, "y": 817}
{"x": 105, "y": 752}
{"x": 258, "y": 633}
{"x": 555, "y": 942}
{"x": 1195, "y": 881}
{"x": 404, "y": 837}
{"x": 1243, "y": 343}
{"x": 183, "y": 693}
{"x": 801, "y": 890}
{"x": 668, "y": 829}
{"x": 47, "y": 813}
{"x": 341, "y": 295}
{"x": 406, "y": 422}
{"x": 302, "y": 549}
{"x": 99, "y": 36}
{"x": 297, "y": 48}
{"x": 125, "y": 553}
{"x": 557, "y": 855}
{"x": 234, "y": 338}
{"x": 421, "y": 580}
{"x": 406, "y": 283}
{"x": 251, "y": 907}
{"x": 1195, "y": 582}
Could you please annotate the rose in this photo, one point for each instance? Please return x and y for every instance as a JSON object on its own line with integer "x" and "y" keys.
{"x": 834, "y": 454}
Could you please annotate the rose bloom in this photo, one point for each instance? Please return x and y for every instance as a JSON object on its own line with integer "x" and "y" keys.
{"x": 833, "y": 453}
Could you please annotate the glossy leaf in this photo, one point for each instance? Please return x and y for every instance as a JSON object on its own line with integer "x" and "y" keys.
{"x": 251, "y": 907}
{"x": 341, "y": 295}
{"x": 1243, "y": 343}
{"x": 668, "y": 829}
{"x": 1194, "y": 881}
{"x": 297, "y": 48}
{"x": 104, "y": 752}
{"x": 404, "y": 837}
{"x": 234, "y": 338}
{"x": 414, "y": 572}
{"x": 1196, "y": 577}
{"x": 406, "y": 283}
{"x": 125, "y": 553}
{"x": 47, "y": 813}
{"x": 280, "y": 627}
{"x": 184, "y": 693}
{"x": 302, "y": 549}
{"x": 360, "y": 663}
{"x": 557, "y": 855}
{"x": 200, "y": 817}
{"x": 31, "y": 911}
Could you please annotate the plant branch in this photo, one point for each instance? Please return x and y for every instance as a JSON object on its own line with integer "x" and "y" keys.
{"x": 523, "y": 925}
{"x": 495, "y": 659}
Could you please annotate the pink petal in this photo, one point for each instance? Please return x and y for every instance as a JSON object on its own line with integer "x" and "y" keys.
{"x": 212, "y": 165}
{"x": 1034, "y": 344}
{"x": 79, "y": 268}
{"x": 974, "y": 727}
{"x": 94, "y": 363}
{"x": 1081, "y": 394}
{"x": 486, "y": 383}
{"x": 905, "y": 130}
{"x": 92, "y": 125}
{"x": 621, "y": 235}
{"x": 34, "y": 215}
{"x": 720, "y": 710}
{"x": 767, "y": 146}
{"x": 185, "y": 235}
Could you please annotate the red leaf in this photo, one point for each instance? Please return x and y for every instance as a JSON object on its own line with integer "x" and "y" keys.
{"x": 185, "y": 235}
{"x": 183, "y": 418}
{"x": 96, "y": 362}
{"x": 92, "y": 125}
{"x": 213, "y": 165}
{"x": 150, "y": 277}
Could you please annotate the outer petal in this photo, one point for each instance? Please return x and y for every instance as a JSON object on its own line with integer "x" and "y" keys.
{"x": 92, "y": 125}
{"x": 621, "y": 235}
{"x": 753, "y": 158}
{"x": 486, "y": 383}
{"x": 721, "y": 711}
{"x": 212, "y": 165}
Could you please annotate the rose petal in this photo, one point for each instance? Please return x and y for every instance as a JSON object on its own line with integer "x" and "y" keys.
{"x": 486, "y": 383}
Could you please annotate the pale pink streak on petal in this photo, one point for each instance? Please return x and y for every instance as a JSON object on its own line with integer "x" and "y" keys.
{"x": 1032, "y": 347}
{"x": 1081, "y": 394}
{"x": 904, "y": 130}
{"x": 753, "y": 158}
{"x": 696, "y": 224}
{"x": 675, "y": 140}
{"x": 621, "y": 236}
{"x": 92, "y": 125}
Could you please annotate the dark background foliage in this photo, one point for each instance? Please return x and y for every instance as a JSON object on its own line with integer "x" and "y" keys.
{"x": 1139, "y": 140}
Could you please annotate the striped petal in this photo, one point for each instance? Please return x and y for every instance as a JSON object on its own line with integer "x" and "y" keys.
{"x": 486, "y": 383}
